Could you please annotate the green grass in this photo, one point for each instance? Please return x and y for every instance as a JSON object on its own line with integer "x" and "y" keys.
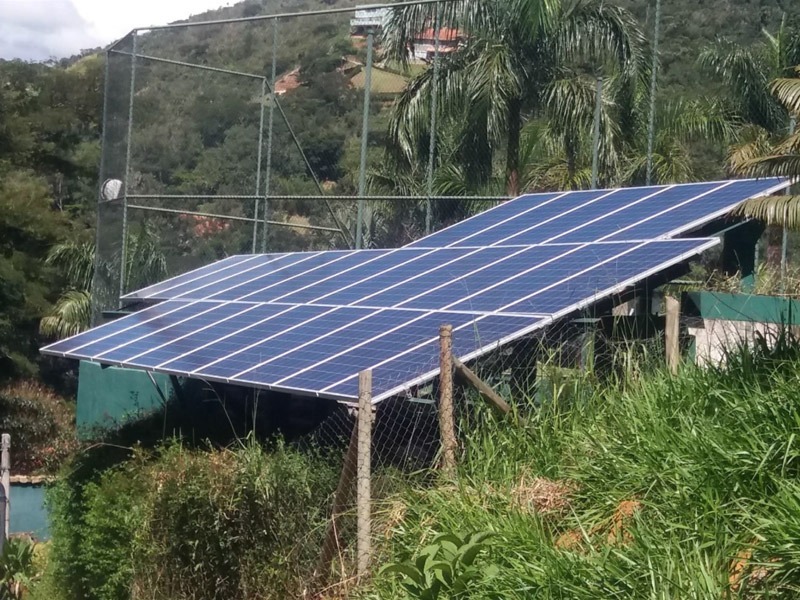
{"x": 663, "y": 487}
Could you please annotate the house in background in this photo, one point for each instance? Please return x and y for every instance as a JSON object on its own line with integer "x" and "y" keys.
{"x": 424, "y": 46}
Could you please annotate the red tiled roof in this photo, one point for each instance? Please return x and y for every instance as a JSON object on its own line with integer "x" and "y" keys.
{"x": 446, "y": 34}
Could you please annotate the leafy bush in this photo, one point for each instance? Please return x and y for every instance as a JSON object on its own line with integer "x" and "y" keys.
{"x": 182, "y": 523}
{"x": 41, "y": 425}
{"x": 446, "y": 566}
{"x": 16, "y": 568}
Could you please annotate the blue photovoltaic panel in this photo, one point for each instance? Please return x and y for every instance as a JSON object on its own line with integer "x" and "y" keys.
{"x": 455, "y": 279}
{"x": 499, "y": 294}
{"x": 310, "y": 321}
{"x": 588, "y": 216}
{"x": 301, "y": 348}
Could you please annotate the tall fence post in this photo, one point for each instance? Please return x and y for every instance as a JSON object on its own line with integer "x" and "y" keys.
{"x": 362, "y": 169}
{"x": 123, "y": 264}
{"x": 5, "y": 480}
{"x": 446, "y": 418}
{"x": 270, "y": 133}
{"x": 363, "y": 483}
{"x": 434, "y": 108}
{"x": 262, "y": 102}
{"x": 672, "y": 332}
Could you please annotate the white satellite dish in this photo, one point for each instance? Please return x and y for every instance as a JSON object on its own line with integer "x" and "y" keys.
{"x": 110, "y": 189}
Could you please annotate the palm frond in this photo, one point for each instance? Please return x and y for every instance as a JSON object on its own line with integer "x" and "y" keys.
{"x": 773, "y": 210}
{"x": 75, "y": 260}
{"x": 71, "y": 315}
{"x": 787, "y": 91}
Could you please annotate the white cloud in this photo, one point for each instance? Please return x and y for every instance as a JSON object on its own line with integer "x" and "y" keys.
{"x": 42, "y": 29}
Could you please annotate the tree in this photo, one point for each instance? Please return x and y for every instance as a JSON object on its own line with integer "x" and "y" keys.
{"x": 780, "y": 158}
{"x": 28, "y": 227}
{"x": 76, "y": 260}
{"x": 518, "y": 56}
{"x": 765, "y": 119}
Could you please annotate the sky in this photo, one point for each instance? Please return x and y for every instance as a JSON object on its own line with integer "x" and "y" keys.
{"x": 44, "y": 29}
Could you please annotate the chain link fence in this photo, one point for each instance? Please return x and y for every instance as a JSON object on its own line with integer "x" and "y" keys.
{"x": 238, "y": 135}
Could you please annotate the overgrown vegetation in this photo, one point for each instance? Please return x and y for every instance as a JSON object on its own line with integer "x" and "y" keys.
{"x": 654, "y": 487}
{"x": 178, "y": 523}
{"x": 41, "y": 425}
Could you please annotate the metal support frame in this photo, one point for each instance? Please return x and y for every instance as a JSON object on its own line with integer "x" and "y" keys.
{"x": 325, "y": 197}
{"x": 270, "y": 132}
{"x": 95, "y": 287}
{"x": 434, "y": 110}
{"x": 127, "y": 182}
{"x": 653, "y": 84}
{"x": 362, "y": 169}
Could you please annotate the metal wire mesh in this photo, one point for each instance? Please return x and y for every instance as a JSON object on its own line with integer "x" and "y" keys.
{"x": 273, "y": 150}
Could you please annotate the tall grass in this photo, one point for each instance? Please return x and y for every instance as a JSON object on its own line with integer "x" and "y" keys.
{"x": 653, "y": 487}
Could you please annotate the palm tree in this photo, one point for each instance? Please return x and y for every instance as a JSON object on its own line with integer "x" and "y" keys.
{"x": 763, "y": 158}
{"x": 518, "y": 58}
{"x": 765, "y": 120}
{"x": 77, "y": 262}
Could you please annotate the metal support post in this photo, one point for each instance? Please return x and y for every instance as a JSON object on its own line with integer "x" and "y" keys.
{"x": 363, "y": 477}
{"x": 258, "y": 161}
{"x": 651, "y": 128}
{"x": 270, "y": 130}
{"x": 362, "y": 170}
{"x": 447, "y": 428}
{"x": 124, "y": 253}
{"x": 596, "y": 134}
{"x": 434, "y": 108}
{"x": 5, "y": 479}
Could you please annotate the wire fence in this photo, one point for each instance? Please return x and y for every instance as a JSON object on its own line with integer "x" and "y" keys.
{"x": 412, "y": 433}
{"x": 229, "y": 136}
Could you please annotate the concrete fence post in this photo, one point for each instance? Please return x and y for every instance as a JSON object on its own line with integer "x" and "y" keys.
{"x": 5, "y": 482}
{"x": 447, "y": 427}
{"x": 364, "y": 468}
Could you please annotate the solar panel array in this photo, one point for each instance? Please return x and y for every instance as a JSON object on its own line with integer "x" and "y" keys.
{"x": 308, "y": 322}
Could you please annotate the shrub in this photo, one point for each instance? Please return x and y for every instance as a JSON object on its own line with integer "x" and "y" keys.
{"x": 41, "y": 425}
{"x": 231, "y": 524}
{"x": 179, "y": 523}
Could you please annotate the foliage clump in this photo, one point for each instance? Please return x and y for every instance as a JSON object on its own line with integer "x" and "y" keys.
{"x": 676, "y": 487}
{"x": 179, "y": 523}
{"x": 41, "y": 425}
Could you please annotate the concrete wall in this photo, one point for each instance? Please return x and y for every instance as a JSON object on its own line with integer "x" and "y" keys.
{"x": 728, "y": 321}
{"x": 28, "y": 511}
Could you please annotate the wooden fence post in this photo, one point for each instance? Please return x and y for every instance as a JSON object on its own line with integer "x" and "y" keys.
{"x": 363, "y": 483}
{"x": 447, "y": 427}
{"x": 5, "y": 478}
{"x": 672, "y": 332}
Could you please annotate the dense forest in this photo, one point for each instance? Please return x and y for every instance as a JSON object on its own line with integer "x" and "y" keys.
{"x": 196, "y": 133}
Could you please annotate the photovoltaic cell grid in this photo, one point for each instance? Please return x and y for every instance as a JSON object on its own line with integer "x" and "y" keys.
{"x": 301, "y": 323}
{"x": 599, "y": 215}
{"x": 536, "y": 280}
{"x": 309, "y": 322}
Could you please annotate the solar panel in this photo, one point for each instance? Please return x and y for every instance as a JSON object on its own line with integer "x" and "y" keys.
{"x": 309, "y": 322}
{"x": 466, "y": 279}
{"x": 599, "y": 215}
{"x": 380, "y": 310}
{"x": 301, "y": 348}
